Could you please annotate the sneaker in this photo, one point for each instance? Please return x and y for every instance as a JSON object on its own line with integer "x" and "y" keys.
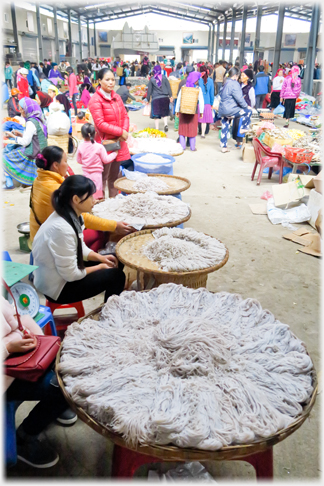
{"x": 68, "y": 417}
{"x": 166, "y": 128}
{"x": 34, "y": 452}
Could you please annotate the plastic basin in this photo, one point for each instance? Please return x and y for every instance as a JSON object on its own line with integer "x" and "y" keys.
{"x": 153, "y": 168}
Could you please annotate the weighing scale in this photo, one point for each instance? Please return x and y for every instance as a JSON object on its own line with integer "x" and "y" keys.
{"x": 25, "y": 295}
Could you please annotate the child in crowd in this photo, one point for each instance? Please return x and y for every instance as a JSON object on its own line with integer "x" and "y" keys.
{"x": 92, "y": 156}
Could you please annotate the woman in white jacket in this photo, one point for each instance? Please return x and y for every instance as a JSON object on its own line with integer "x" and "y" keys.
{"x": 68, "y": 270}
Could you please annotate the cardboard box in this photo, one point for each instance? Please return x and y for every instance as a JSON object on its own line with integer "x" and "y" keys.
{"x": 248, "y": 153}
{"x": 270, "y": 141}
{"x": 314, "y": 205}
{"x": 285, "y": 194}
{"x": 309, "y": 240}
{"x": 318, "y": 182}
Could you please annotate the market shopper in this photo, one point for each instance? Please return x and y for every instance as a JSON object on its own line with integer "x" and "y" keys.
{"x": 246, "y": 81}
{"x": 55, "y": 73}
{"x": 232, "y": 105}
{"x": 290, "y": 91}
{"x": 219, "y": 76}
{"x": 188, "y": 124}
{"x": 207, "y": 87}
{"x": 124, "y": 93}
{"x": 159, "y": 90}
{"x": 8, "y": 74}
{"x": 112, "y": 123}
{"x": 22, "y": 84}
{"x": 13, "y": 103}
{"x": 276, "y": 88}
{"x": 77, "y": 273}
{"x": 73, "y": 88}
{"x": 262, "y": 86}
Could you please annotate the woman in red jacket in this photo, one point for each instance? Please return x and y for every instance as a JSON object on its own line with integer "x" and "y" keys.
{"x": 22, "y": 84}
{"x": 112, "y": 123}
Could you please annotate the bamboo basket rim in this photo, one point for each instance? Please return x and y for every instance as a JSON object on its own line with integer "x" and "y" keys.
{"x": 118, "y": 185}
{"x": 163, "y": 272}
{"x": 137, "y": 153}
{"x": 174, "y": 453}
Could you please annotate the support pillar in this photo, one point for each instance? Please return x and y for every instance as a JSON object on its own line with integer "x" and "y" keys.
{"x": 14, "y": 25}
{"x": 245, "y": 7}
{"x": 311, "y": 51}
{"x": 224, "y": 38}
{"x": 213, "y": 44}
{"x": 95, "y": 39}
{"x": 257, "y": 34}
{"x": 70, "y": 34}
{"x": 277, "y": 52}
{"x": 80, "y": 38}
{"x": 39, "y": 34}
{"x": 217, "y": 40}
{"x": 209, "y": 43}
{"x": 88, "y": 38}
{"x": 232, "y": 36}
{"x": 57, "y": 45}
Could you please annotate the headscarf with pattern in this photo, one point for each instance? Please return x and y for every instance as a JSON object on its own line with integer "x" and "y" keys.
{"x": 33, "y": 110}
{"x": 192, "y": 79}
{"x": 157, "y": 75}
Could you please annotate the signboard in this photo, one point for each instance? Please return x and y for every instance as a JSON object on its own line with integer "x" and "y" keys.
{"x": 187, "y": 38}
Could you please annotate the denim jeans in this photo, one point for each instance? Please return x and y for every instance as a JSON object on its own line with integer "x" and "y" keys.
{"x": 74, "y": 98}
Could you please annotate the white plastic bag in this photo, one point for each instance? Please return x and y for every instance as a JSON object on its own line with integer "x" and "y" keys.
{"x": 190, "y": 471}
{"x": 58, "y": 123}
{"x": 297, "y": 214}
{"x": 147, "y": 110}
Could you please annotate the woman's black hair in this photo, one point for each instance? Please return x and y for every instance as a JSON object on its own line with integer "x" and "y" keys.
{"x": 102, "y": 72}
{"x": 88, "y": 132}
{"x": 75, "y": 185}
{"x": 49, "y": 155}
{"x": 233, "y": 72}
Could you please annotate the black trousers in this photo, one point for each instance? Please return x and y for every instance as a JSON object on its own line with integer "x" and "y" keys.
{"x": 111, "y": 281}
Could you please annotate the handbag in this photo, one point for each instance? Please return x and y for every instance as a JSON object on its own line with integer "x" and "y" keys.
{"x": 111, "y": 145}
{"x": 32, "y": 365}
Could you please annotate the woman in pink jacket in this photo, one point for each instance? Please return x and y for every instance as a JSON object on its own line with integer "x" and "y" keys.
{"x": 73, "y": 88}
{"x": 51, "y": 402}
{"x": 290, "y": 91}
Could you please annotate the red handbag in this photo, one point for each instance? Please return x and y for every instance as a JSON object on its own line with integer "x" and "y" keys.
{"x": 32, "y": 365}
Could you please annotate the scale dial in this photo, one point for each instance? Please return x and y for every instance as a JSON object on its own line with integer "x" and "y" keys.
{"x": 26, "y": 298}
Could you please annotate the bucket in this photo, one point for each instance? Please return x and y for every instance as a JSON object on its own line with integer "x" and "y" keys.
{"x": 153, "y": 168}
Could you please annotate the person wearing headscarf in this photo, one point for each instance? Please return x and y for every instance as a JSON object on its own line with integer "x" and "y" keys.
{"x": 187, "y": 70}
{"x": 207, "y": 87}
{"x": 277, "y": 82}
{"x": 54, "y": 72}
{"x": 246, "y": 81}
{"x": 22, "y": 83}
{"x": 188, "y": 124}
{"x": 159, "y": 91}
{"x": 19, "y": 162}
{"x": 44, "y": 100}
{"x": 289, "y": 92}
{"x": 53, "y": 92}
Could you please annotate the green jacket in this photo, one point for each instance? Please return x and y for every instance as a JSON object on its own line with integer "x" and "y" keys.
{"x": 8, "y": 72}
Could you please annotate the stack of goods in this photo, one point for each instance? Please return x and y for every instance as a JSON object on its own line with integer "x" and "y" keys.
{"x": 311, "y": 143}
{"x": 266, "y": 115}
{"x": 158, "y": 145}
{"x": 143, "y": 209}
{"x": 187, "y": 367}
{"x": 138, "y": 90}
{"x": 184, "y": 250}
{"x": 277, "y": 135}
{"x": 296, "y": 134}
{"x": 149, "y": 133}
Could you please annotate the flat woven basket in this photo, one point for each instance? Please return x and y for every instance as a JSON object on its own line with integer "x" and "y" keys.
{"x": 173, "y": 453}
{"x": 60, "y": 141}
{"x": 189, "y": 100}
{"x": 132, "y": 152}
{"x": 176, "y": 184}
{"x": 129, "y": 252}
{"x": 174, "y": 84}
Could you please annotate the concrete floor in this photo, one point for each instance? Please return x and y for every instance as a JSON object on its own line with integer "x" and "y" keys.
{"x": 261, "y": 265}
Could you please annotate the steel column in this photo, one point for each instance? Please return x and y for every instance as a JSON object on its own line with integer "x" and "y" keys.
{"x": 70, "y": 33}
{"x": 224, "y": 38}
{"x": 232, "y": 36}
{"x": 80, "y": 38}
{"x": 88, "y": 38}
{"x": 277, "y": 52}
{"x": 245, "y": 7}
{"x": 14, "y": 25}
{"x": 39, "y": 34}
{"x": 217, "y": 41}
{"x": 209, "y": 43}
{"x": 311, "y": 51}
{"x": 57, "y": 45}
{"x": 213, "y": 44}
{"x": 257, "y": 34}
{"x": 94, "y": 39}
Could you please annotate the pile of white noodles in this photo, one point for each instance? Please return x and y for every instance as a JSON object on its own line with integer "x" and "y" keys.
{"x": 187, "y": 367}
{"x": 184, "y": 250}
{"x": 148, "y": 208}
{"x": 150, "y": 184}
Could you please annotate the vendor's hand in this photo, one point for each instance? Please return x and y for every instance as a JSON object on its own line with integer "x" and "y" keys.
{"x": 109, "y": 260}
{"x": 124, "y": 135}
{"x": 177, "y": 114}
{"x": 9, "y": 135}
{"x": 22, "y": 345}
{"x": 281, "y": 100}
{"x": 17, "y": 133}
{"x": 171, "y": 100}
{"x": 123, "y": 229}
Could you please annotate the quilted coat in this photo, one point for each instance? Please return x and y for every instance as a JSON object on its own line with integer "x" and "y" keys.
{"x": 289, "y": 92}
{"x": 110, "y": 119}
{"x": 44, "y": 185}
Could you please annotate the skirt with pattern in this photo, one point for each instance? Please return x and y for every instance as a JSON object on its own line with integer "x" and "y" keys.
{"x": 18, "y": 166}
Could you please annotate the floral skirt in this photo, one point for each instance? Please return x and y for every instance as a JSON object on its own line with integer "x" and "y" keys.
{"x": 18, "y": 166}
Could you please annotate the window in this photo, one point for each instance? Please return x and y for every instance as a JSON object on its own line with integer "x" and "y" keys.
{"x": 49, "y": 26}
{"x": 43, "y": 27}
{"x": 30, "y": 22}
{"x": 6, "y": 17}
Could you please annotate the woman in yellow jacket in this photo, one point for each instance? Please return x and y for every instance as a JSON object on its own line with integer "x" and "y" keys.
{"x": 52, "y": 168}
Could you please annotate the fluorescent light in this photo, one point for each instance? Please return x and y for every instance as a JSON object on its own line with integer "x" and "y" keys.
{"x": 94, "y": 6}
{"x": 193, "y": 6}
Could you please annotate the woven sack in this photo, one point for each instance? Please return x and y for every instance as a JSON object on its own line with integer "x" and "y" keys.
{"x": 174, "y": 84}
{"x": 120, "y": 71}
{"x": 189, "y": 100}
{"x": 60, "y": 141}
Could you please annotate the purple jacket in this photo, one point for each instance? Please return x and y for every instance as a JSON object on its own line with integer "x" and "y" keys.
{"x": 55, "y": 74}
{"x": 289, "y": 92}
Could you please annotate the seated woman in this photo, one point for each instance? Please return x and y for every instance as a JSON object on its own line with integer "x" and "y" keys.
{"x": 19, "y": 161}
{"x": 44, "y": 100}
{"x": 76, "y": 272}
{"x": 52, "y": 169}
{"x": 51, "y": 402}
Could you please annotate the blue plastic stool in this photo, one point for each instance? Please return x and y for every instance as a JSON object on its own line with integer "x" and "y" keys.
{"x": 10, "y": 432}
{"x": 6, "y": 257}
{"x": 45, "y": 317}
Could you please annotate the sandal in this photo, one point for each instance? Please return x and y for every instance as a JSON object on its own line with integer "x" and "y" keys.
{"x": 225, "y": 149}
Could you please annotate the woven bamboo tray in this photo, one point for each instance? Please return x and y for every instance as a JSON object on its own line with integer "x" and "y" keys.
{"x": 129, "y": 252}
{"x": 173, "y": 453}
{"x": 189, "y": 100}
{"x": 176, "y": 184}
{"x": 132, "y": 152}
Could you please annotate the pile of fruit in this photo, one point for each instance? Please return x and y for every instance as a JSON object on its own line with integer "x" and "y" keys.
{"x": 149, "y": 133}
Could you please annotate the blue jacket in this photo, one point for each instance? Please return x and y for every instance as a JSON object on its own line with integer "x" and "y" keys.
{"x": 262, "y": 84}
{"x": 232, "y": 100}
{"x": 207, "y": 91}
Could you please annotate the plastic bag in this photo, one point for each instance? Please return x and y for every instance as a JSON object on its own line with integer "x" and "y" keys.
{"x": 147, "y": 110}
{"x": 267, "y": 195}
{"x": 216, "y": 103}
{"x": 297, "y": 214}
{"x": 58, "y": 123}
{"x": 190, "y": 471}
{"x": 279, "y": 110}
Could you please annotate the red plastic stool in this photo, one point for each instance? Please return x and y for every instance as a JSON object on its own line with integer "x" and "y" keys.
{"x": 78, "y": 306}
{"x": 125, "y": 462}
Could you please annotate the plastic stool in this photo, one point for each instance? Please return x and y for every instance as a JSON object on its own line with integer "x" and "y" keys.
{"x": 126, "y": 462}
{"x": 78, "y": 306}
{"x": 46, "y": 318}
{"x": 6, "y": 257}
